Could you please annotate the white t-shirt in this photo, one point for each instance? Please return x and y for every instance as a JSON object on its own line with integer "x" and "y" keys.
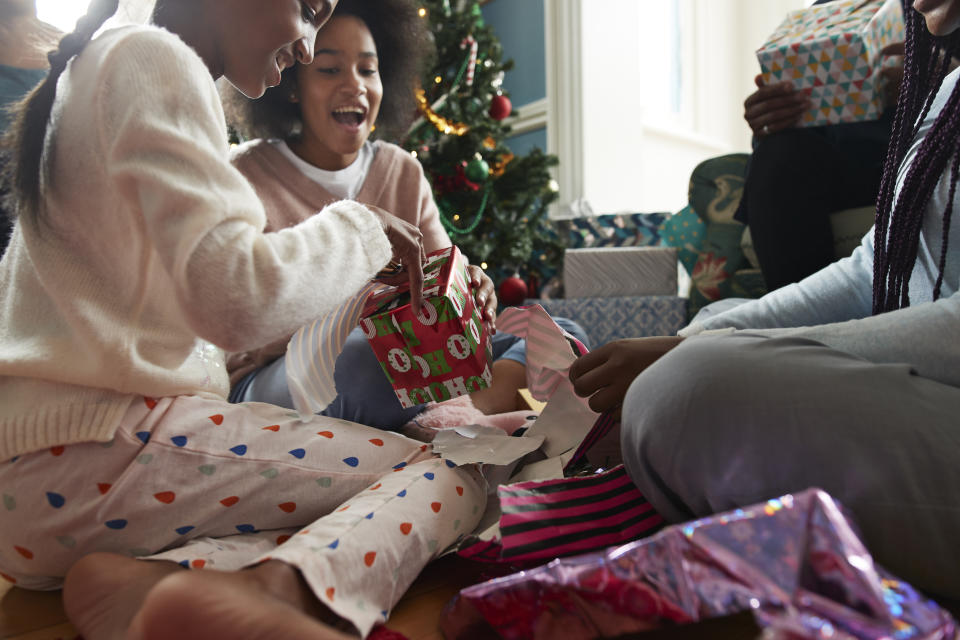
{"x": 344, "y": 183}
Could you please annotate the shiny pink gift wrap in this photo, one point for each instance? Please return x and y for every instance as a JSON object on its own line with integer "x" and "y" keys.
{"x": 796, "y": 562}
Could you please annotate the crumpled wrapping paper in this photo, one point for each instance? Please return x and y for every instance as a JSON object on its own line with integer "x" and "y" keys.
{"x": 795, "y": 562}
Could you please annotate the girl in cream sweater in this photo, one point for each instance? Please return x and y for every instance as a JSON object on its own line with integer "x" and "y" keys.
{"x": 139, "y": 255}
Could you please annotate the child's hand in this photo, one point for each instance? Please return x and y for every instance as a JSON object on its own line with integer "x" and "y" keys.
{"x": 485, "y": 295}
{"x": 605, "y": 373}
{"x": 408, "y": 252}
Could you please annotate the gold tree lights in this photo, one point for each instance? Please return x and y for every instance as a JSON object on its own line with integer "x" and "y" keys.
{"x": 492, "y": 202}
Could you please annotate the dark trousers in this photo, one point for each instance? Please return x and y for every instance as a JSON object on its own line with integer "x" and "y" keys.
{"x": 795, "y": 180}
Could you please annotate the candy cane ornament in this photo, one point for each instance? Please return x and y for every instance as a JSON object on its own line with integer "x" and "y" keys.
{"x": 472, "y": 65}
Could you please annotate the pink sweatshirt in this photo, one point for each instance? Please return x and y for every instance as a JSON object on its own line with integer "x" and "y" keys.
{"x": 395, "y": 182}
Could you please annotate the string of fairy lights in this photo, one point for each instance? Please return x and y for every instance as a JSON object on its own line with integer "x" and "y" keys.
{"x": 448, "y": 126}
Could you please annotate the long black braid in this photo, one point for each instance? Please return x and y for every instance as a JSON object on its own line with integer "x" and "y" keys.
{"x": 26, "y": 138}
{"x": 899, "y": 224}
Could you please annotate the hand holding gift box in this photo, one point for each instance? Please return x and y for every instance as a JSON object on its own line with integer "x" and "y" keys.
{"x": 832, "y": 53}
{"x": 440, "y": 353}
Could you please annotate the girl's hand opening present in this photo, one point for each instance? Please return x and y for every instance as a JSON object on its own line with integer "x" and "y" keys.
{"x": 485, "y": 295}
{"x": 605, "y": 374}
{"x": 408, "y": 253}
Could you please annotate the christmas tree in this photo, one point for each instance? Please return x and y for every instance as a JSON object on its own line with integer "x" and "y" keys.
{"x": 492, "y": 202}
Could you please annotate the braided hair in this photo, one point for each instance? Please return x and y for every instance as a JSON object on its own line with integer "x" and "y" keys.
{"x": 899, "y": 223}
{"x": 26, "y": 138}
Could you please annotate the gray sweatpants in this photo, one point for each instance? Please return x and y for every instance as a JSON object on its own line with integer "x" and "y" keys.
{"x": 726, "y": 421}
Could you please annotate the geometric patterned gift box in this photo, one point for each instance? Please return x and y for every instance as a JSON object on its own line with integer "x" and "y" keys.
{"x": 608, "y": 230}
{"x": 608, "y": 319}
{"x": 831, "y": 52}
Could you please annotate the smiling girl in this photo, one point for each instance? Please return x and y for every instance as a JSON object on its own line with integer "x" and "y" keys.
{"x": 139, "y": 254}
{"x": 313, "y": 147}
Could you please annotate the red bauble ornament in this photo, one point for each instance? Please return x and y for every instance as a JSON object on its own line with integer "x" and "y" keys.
{"x": 500, "y": 107}
{"x": 513, "y": 291}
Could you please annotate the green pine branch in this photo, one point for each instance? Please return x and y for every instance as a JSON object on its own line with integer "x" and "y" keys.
{"x": 507, "y": 209}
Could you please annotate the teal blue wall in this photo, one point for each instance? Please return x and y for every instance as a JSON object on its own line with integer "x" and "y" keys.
{"x": 521, "y": 144}
{"x": 519, "y": 26}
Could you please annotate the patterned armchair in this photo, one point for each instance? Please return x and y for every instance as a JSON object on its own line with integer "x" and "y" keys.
{"x": 719, "y": 253}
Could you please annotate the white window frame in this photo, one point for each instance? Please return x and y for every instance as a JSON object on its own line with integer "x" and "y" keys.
{"x": 718, "y": 125}
{"x": 564, "y": 102}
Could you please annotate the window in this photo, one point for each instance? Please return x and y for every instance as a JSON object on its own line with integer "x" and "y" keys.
{"x": 641, "y": 91}
{"x": 63, "y": 14}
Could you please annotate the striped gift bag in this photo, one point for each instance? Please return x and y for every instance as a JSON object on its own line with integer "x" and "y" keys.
{"x": 547, "y": 519}
{"x": 572, "y": 515}
{"x": 544, "y": 519}
{"x": 604, "y": 425}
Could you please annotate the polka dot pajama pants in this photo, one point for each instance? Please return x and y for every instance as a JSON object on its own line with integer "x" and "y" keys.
{"x": 208, "y": 484}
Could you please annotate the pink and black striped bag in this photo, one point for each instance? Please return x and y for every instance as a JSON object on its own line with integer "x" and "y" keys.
{"x": 551, "y": 518}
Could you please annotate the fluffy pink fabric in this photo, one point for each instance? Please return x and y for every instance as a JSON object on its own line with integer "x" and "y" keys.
{"x": 460, "y": 411}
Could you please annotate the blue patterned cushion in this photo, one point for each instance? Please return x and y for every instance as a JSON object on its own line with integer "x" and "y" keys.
{"x": 615, "y": 230}
{"x": 685, "y": 231}
{"x": 607, "y": 319}
{"x": 720, "y": 257}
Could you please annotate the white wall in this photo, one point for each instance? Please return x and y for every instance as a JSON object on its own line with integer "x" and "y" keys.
{"x": 620, "y": 146}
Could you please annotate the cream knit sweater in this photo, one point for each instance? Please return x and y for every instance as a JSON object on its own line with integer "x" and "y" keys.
{"x": 154, "y": 253}
{"x": 394, "y": 182}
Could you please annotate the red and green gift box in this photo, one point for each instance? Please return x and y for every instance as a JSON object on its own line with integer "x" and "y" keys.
{"x": 444, "y": 351}
{"x": 831, "y": 52}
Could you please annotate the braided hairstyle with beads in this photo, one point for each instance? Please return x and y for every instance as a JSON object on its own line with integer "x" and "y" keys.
{"x": 26, "y": 138}
{"x": 899, "y": 222}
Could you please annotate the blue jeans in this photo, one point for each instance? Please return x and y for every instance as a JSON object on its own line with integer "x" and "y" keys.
{"x": 364, "y": 393}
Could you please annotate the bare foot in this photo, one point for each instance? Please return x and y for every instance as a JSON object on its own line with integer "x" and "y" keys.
{"x": 103, "y": 591}
{"x": 267, "y": 602}
{"x": 110, "y": 597}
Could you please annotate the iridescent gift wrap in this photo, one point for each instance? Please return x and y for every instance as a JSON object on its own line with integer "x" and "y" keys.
{"x": 795, "y": 562}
